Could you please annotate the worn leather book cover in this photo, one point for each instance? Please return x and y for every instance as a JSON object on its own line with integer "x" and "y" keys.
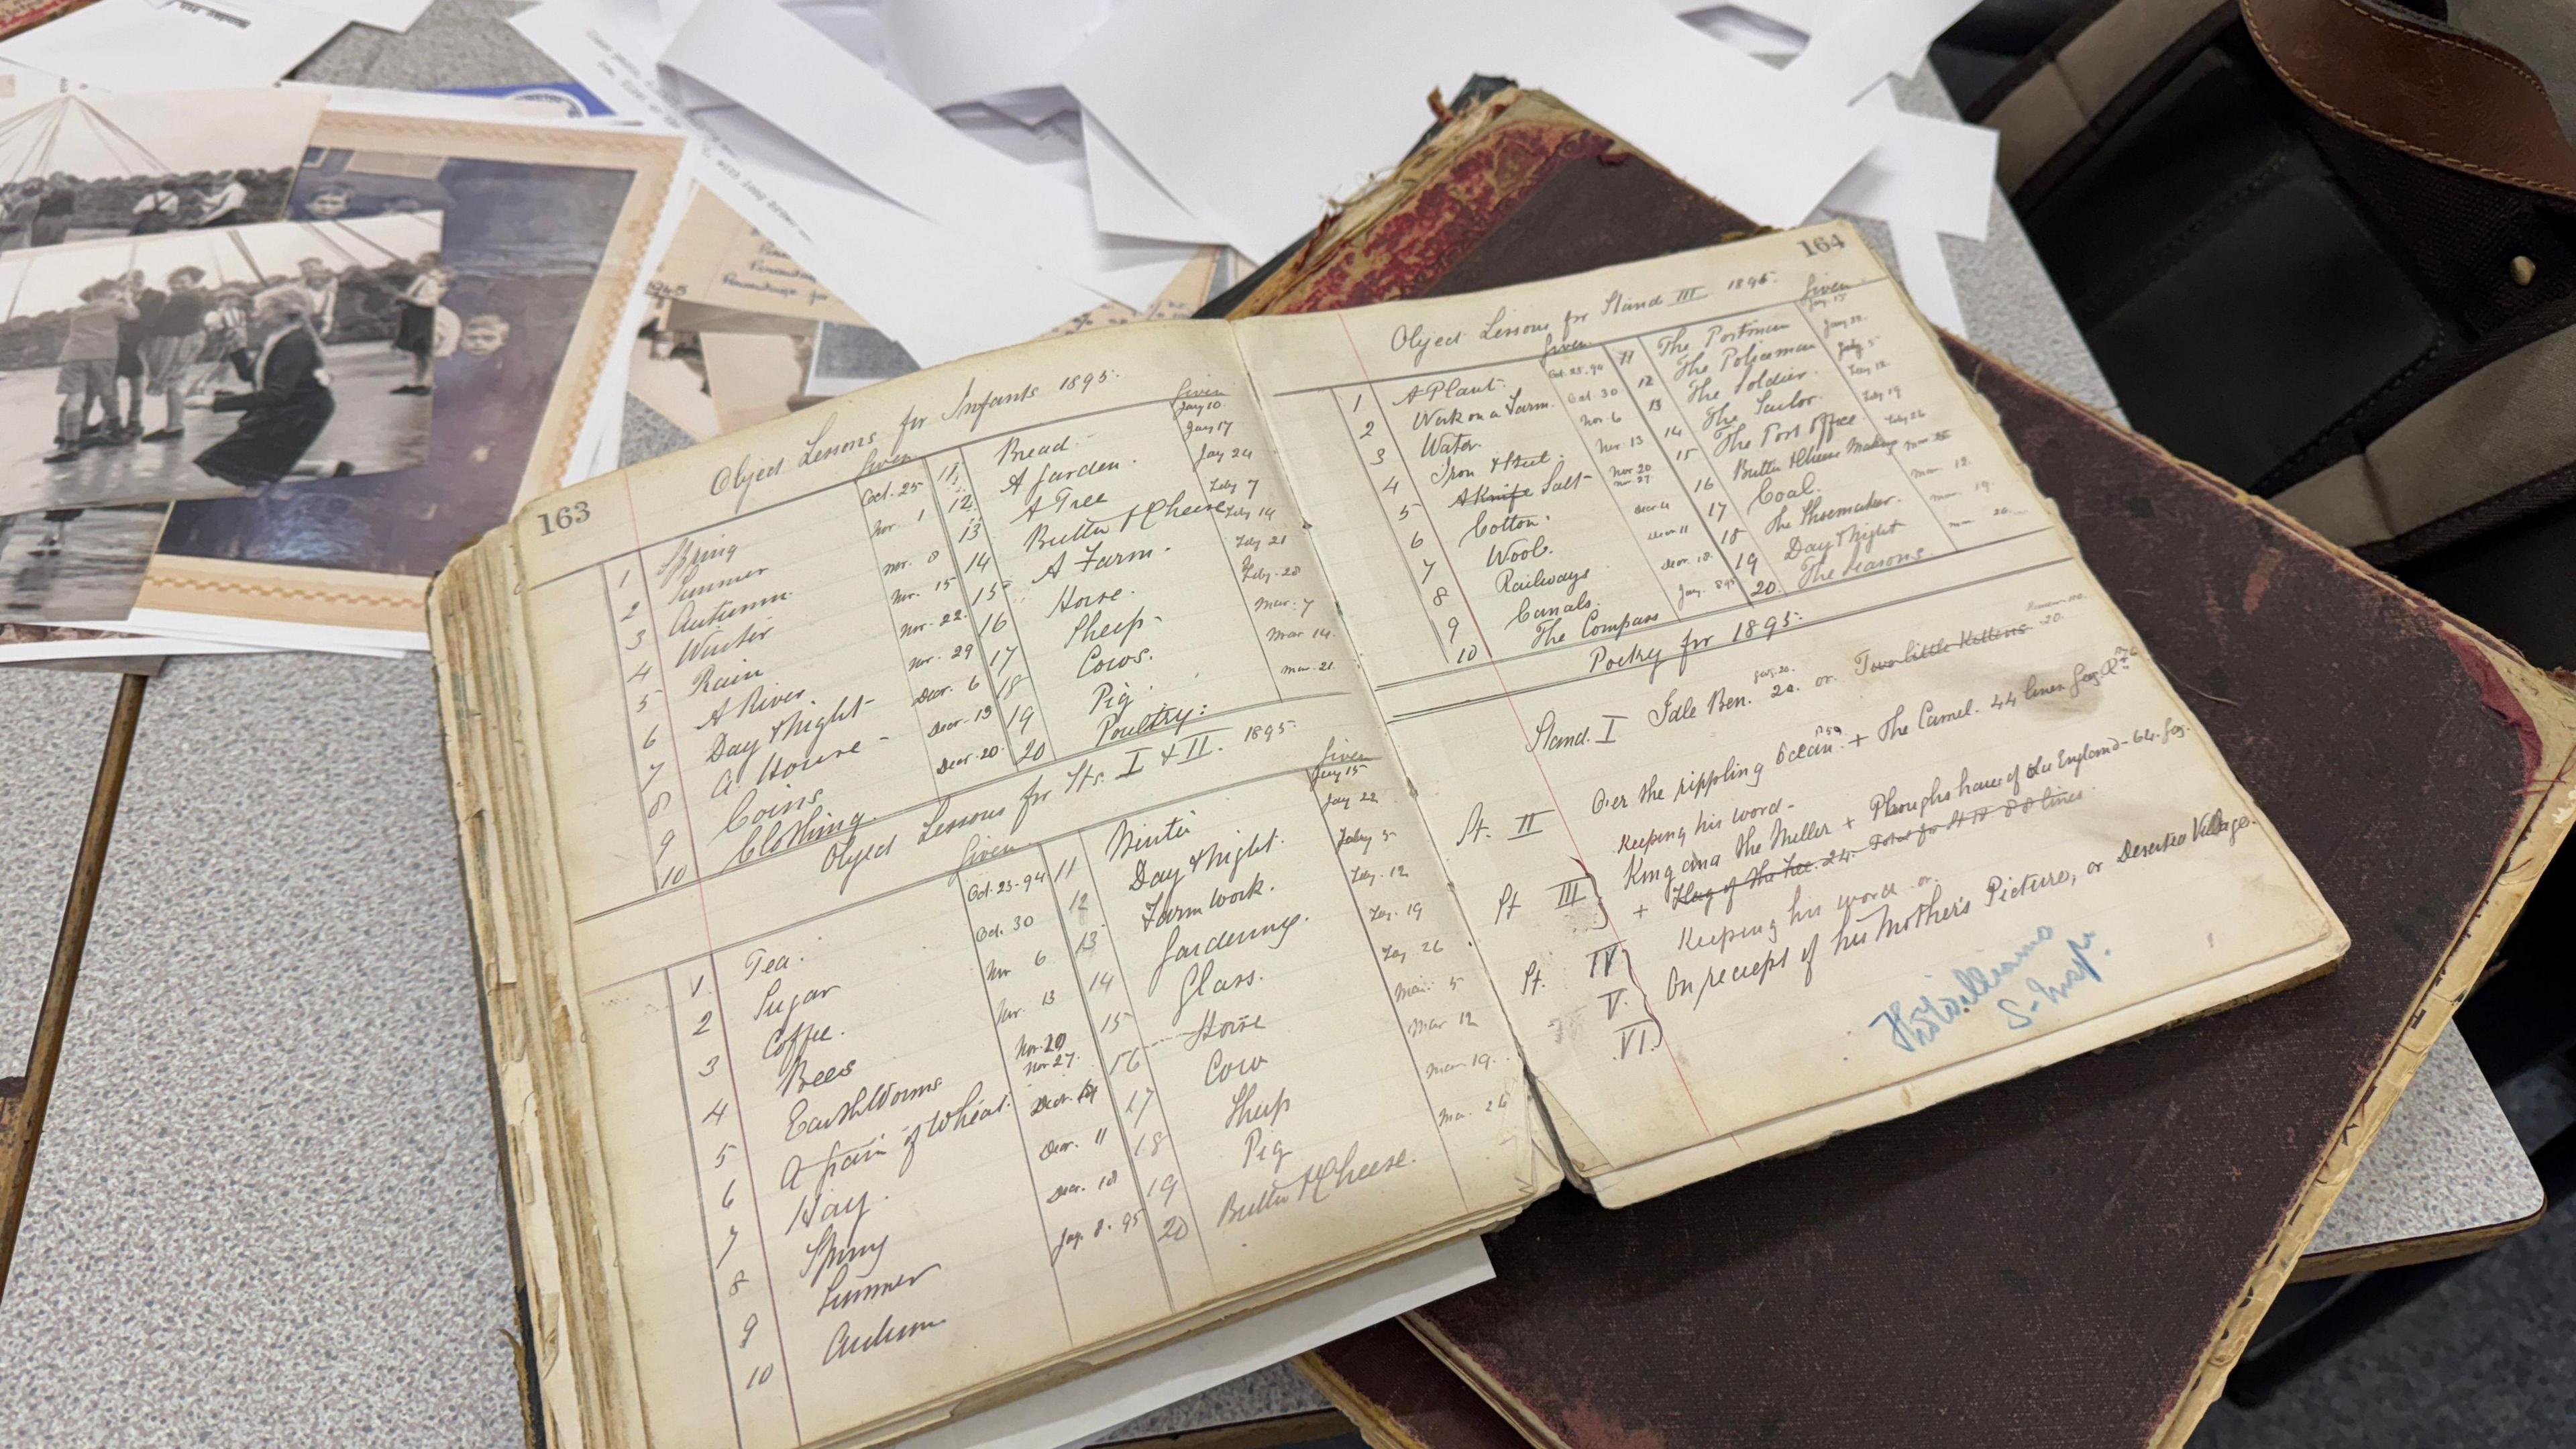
{"x": 1401, "y": 1396}
{"x": 17, "y": 15}
{"x": 2079, "y": 1256}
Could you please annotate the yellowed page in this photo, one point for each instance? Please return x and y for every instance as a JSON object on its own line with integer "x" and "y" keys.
{"x": 1792, "y": 769}
{"x": 718, "y": 257}
{"x": 997, "y": 932}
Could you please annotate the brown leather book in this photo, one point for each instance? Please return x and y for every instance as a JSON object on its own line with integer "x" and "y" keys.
{"x": 2079, "y": 1256}
{"x": 17, "y": 15}
{"x": 1401, "y": 1396}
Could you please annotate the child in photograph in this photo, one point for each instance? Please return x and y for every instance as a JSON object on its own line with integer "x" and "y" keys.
{"x": 291, "y": 405}
{"x": 330, "y": 203}
{"x": 53, "y": 216}
{"x": 87, "y": 370}
{"x": 174, "y": 338}
{"x": 483, "y": 378}
{"x": 322, "y": 295}
{"x": 156, "y": 212}
{"x": 417, "y": 325}
{"x": 478, "y": 442}
{"x": 17, "y": 213}
{"x": 225, "y": 202}
{"x": 227, "y": 344}
{"x": 130, "y": 334}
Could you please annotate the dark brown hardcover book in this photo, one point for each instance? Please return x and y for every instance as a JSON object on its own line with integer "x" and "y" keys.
{"x": 2076, "y": 1257}
{"x": 17, "y": 15}
{"x": 1401, "y": 1396}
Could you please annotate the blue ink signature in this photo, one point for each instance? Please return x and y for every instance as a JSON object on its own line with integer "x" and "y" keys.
{"x": 1912, "y": 1028}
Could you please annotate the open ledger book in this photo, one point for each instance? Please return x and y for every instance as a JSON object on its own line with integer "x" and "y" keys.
{"x": 1045, "y": 854}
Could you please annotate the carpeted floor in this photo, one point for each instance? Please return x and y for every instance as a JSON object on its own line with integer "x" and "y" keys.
{"x": 2486, "y": 1359}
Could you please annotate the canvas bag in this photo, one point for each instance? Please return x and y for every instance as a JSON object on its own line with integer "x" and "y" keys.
{"x": 2324, "y": 248}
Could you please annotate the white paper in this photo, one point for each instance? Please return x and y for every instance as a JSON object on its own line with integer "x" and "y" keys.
{"x": 1341, "y": 88}
{"x": 1869, "y": 40}
{"x": 1925, "y": 271}
{"x": 1052, "y": 147}
{"x": 857, "y": 26}
{"x": 1803, "y": 15}
{"x": 441, "y": 105}
{"x": 867, "y": 126}
{"x": 1029, "y": 108}
{"x": 947, "y": 51}
{"x": 939, "y": 294}
{"x": 395, "y": 15}
{"x": 1928, "y": 172}
{"x": 1909, "y": 185}
{"x": 1755, "y": 35}
{"x": 135, "y": 45}
{"x": 1076, "y": 1412}
{"x": 118, "y": 646}
{"x": 1126, "y": 201}
{"x": 272, "y": 634}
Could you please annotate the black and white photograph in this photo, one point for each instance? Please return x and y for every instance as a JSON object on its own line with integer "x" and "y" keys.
{"x": 219, "y": 363}
{"x": 521, "y": 245}
{"x": 95, "y": 164}
{"x": 75, "y": 563}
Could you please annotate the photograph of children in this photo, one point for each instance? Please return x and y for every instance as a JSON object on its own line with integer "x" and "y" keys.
{"x": 213, "y": 364}
{"x": 75, "y": 563}
{"x": 506, "y": 329}
{"x": 94, "y": 164}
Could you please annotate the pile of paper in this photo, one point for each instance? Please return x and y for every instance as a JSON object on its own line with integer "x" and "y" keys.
{"x": 867, "y": 186}
{"x": 142, "y": 45}
{"x": 963, "y": 171}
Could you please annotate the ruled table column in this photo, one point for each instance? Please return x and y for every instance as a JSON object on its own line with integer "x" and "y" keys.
{"x": 988, "y": 604}
{"x": 1120, "y": 1036}
{"x": 670, "y": 855}
{"x": 963, "y": 738}
{"x": 1412, "y": 522}
{"x": 1101, "y": 1242}
{"x": 746, "y": 1298}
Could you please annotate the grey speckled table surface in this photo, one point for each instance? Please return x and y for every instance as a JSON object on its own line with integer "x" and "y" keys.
{"x": 266, "y": 1210}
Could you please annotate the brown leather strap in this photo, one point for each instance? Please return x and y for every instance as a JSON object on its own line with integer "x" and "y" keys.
{"x": 2428, "y": 91}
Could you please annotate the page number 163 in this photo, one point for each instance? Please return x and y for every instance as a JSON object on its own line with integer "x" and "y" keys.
{"x": 556, "y": 520}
